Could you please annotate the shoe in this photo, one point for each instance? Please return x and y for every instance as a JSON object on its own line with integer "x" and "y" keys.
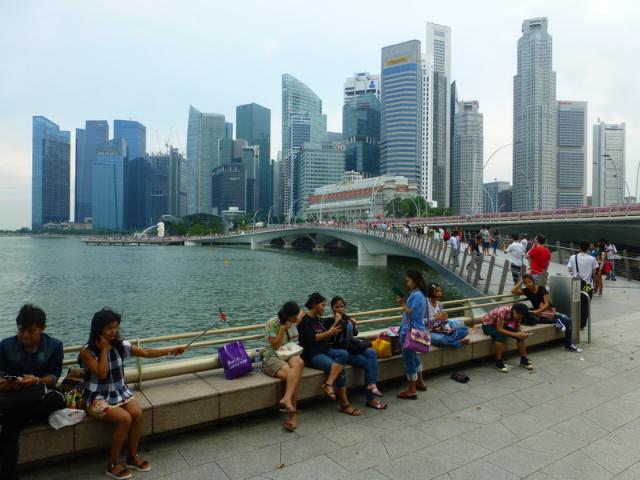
{"x": 614, "y": 279}
{"x": 525, "y": 363}
{"x": 573, "y": 348}
{"x": 501, "y": 367}
{"x": 560, "y": 326}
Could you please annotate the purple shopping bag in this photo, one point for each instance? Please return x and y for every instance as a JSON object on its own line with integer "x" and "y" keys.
{"x": 234, "y": 360}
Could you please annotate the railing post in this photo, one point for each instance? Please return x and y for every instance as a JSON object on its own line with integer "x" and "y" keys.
{"x": 139, "y": 366}
{"x": 489, "y": 273}
{"x": 478, "y": 267}
{"x": 503, "y": 278}
{"x": 627, "y": 265}
{"x": 450, "y": 257}
{"x": 560, "y": 260}
{"x": 572, "y": 247}
{"x": 464, "y": 261}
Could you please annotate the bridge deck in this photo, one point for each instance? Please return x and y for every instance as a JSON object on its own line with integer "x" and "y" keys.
{"x": 575, "y": 416}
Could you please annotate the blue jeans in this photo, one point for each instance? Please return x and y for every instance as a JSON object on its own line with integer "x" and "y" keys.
{"x": 411, "y": 361}
{"x": 566, "y": 321}
{"x": 452, "y": 340}
{"x": 368, "y": 361}
{"x": 324, "y": 361}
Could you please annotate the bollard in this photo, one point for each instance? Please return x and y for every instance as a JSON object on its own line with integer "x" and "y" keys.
{"x": 489, "y": 273}
{"x": 627, "y": 265}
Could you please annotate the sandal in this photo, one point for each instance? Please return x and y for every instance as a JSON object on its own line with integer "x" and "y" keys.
{"x": 138, "y": 464}
{"x": 407, "y": 396}
{"x": 377, "y": 405}
{"x": 289, "y": 426}
{"x": 354, "y": 412}
{"x": 122, "y": 473}
{"x": 328, "y": 390}
{"x": 375, "y": 392}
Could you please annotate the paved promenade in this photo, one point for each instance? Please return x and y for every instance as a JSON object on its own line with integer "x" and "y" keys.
{"x": 577, "y": 416}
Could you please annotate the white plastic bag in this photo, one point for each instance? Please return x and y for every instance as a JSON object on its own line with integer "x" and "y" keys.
{"x": 288, "y": 350}
{"x": 66, "y": 417}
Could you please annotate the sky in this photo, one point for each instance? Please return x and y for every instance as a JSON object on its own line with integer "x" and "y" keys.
{"x": 148, "y": 60}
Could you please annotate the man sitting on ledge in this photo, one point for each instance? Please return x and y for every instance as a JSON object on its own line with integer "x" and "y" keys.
{"x": 30, "y": 364}
{"x": 503, "y": 322}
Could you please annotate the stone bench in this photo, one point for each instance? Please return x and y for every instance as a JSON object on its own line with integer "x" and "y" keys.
{"x": 205, "y": 398}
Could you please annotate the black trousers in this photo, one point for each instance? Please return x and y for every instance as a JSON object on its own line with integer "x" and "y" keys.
{"x": 12, "y": 424}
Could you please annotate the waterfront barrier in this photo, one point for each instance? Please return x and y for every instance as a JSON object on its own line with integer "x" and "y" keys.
{"x": 176, "y": 395}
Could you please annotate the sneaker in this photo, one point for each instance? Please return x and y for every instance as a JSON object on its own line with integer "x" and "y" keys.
{"x": 501, "y": 366}
{"x": 573, "y": 348}
{"x": 560, "y": 326}
{"x": 526, "y": 363}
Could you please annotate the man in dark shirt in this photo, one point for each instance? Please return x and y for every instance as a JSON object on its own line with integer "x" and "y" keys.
{"x": 30, "y": 365}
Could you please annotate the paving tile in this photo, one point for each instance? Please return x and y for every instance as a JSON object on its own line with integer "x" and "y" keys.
{"x": 250, "y": 464}
{"x": 552, "y": 412}
{"x": 261, "y": 435}
{"x": 416, "y": 467}
{"x": 351, "y": 434}
{"x": 481, "y": 470}
{"x": 609, "y": 417}
{"x": 406, "y": 441}
{"x": 611, "y": 456}
{"x": 577, "y": 466}
{"x": 301, "y": 449}
{"x": 580, "y": 428}
{"x": 477, "y": 414}
{"x": 390, "y": 419}
{"x": 443, "y": 427}
{"x": 524, "y": 425}
{"x": 360, "y": 456}
{"x": 520, "y": 461}
{"x": 211, "y": 448}
{"x": 369, "y": 474}
{"x": 425, "y": 410}
{"x": 318, "y": 468}
{"x": 551, "y": 442}
{"x": 455, "y": 450}
{"x": 492, "y": 437}
{"x": 489, "y": 391}
{"x": 631, "y": 473}
{"x": 207, "y": 471}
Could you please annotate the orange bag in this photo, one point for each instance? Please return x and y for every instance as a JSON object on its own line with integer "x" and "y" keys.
{"x": 382, "y": 347}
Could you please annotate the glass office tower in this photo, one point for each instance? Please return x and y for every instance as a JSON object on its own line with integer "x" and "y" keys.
{"x": 109, "y": 181}
{"x": 95, "y": 133}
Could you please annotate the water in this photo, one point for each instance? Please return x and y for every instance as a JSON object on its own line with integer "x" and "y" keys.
{"x": 165, "y": 290}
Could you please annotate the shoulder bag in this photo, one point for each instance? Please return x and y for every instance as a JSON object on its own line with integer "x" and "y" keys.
{"x": 416, "y": 340}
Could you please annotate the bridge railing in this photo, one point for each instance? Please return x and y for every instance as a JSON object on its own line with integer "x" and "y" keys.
{"x": 253, "y": 336}
{"x": 626, "y": 264}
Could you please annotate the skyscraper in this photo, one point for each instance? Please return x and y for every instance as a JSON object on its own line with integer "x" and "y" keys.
{"x": 253, "y": 123}
{"x": 609, "y": 156}
{"x": 95, "y": 133}
{"x": 109, "y": 185}
{"x": 401, "y": 119}
{"x": 168, "y": 184}
{"x": 438, "y": 54}
{"x": 228, "y": 130}
{"x": 572, "y": 153}
{"x": 229, "y": 187}
{"x": 203, "y": 133}
{"x": 497, "y": 197}
{"x": 250, "y": 158}
{"x": 50, "y": 160}
{"x": 361, "y": 123}
{"x": 138, "y": 182}
{"x": 467, "y": 158}
{"x": 319, "y": 164}
{"x": 534, "y": 120}
{"x": 298, "y": 101}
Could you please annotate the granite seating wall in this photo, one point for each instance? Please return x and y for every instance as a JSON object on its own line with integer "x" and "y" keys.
{"x": 205, "y": 398}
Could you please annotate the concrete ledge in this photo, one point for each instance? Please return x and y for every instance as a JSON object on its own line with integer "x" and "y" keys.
{"x": 190, "y": 400}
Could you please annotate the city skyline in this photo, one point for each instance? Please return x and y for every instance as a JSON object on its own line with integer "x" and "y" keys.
{"x": 161, "y": 104}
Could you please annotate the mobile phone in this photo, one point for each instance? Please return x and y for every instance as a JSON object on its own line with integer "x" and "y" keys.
{"x": 398, "y": 292}
{"x": 10, "y": 378}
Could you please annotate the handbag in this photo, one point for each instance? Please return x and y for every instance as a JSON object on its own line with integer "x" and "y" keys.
{"x": 417, "y": 340}
{"x": 357, "y": 345}
{"x": 235, "y": 360}
{"x": 382, "y": 346}
{"x": 288, "y": 350}
{"x": 585, "y": 286}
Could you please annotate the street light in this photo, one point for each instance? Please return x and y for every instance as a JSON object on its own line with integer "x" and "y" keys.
{"x": 497, "y": 150}
{"x": 290, "y": 212}
{"x": 254, "y": 218}
{"x": 416, "y": 205}
{"x": 269, "y": 216}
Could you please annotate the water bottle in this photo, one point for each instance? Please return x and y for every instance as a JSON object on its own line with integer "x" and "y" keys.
{"x": 258, "y": 360}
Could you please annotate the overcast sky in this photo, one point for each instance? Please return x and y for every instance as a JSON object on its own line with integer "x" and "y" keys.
{"x": 149, "y": 60}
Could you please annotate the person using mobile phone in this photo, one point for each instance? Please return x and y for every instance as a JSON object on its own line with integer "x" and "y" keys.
{"x": 30, "y": 364}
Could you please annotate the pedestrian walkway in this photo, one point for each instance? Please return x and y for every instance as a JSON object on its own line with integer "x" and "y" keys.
{"x": 575, "y": 416}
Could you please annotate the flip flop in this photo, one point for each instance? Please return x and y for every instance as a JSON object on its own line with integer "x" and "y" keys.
{"x": 287, "y": 411}
{"x": 289, "y": 427}
{"x": 329, "y": 393}
{"x": 378, "y": 406}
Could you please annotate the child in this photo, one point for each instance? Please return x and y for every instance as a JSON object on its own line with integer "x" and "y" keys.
{"x": 106, "y": 393}
{"x": 502, "y": 322}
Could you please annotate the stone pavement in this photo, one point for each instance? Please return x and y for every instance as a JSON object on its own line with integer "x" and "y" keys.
{"x": 577, "y": 416}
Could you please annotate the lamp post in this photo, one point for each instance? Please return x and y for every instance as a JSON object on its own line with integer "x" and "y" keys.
{"x": 254, "y": 219}
{"x": 497, "y": 150}
{"x": 415, "y": 205}
{"x": 290, "y": 213}
{"x": 523, "y": 173}
{"x": 269, "y": 216}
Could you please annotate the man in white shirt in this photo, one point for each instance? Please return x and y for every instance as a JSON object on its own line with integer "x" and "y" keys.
{"x": 515, "y": 253}
{"x": 582, "y": 264}
{"x": 455, "y": 245}
{"x": 612, "y": 253}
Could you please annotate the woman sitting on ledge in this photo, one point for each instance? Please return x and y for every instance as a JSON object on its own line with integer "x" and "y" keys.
{"x": 281, "y": 330}
{"x": 107, "y": 395}
{"x": 314, "y": 339}
{"x": 444, "y": 332}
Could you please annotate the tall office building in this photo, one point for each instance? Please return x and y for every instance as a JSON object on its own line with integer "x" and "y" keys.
{"x": 276, "y": 206}
{"x": 95, "y": 133}
{"x": 497, "y": 197}
{"x": 300, "y": 105}
{"x": 228, "y": 130}
{"x": 534, "y": 120}
{"x": 609, "y": 156}
{"x": 437, "y": 111}
{"x": 250, "y": 158}
{"x": 572, "y": 153}
{"x": 109, "y": 185}
{"x": 319, "y": 164}
{"x": 401, "y": 119}
{"x": 50, "y": 160}
{"x": 203, "y": 134}
{"x": 453, "y": 109}
{"x": 167, "y": 172}
{"x": 467, "y": 158}
{"x": 361, "y": 84}
{"x": 361, "y": 131}
{"x": 138, "y": 184}
{"x": 253, "y": 123}
{"x": 229, "y": 187}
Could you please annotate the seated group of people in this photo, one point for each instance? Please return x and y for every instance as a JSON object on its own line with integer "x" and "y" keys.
{"x": 31, "y": 361}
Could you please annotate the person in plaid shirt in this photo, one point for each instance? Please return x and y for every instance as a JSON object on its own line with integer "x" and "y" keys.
{"x": 503, "y": 322}
{"x": 106, "y": 393}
